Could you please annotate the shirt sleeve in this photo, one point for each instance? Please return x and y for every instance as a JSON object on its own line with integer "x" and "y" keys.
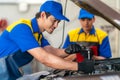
{"x": 44, "y": 42}
{"x": 67, "y": 42}
{"x": 105, "y": 49}
{"x": 23, "y": 37}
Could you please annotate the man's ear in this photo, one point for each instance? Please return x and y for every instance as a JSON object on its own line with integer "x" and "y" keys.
{"x": 94, "y": 19}
{"x": 43, "y": 15}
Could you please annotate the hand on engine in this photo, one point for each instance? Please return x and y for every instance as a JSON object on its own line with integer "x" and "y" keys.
{"x": 87, "y": 66}
{"x": 73, "y": 48}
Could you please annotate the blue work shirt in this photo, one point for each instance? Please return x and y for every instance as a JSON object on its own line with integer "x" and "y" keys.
{"x": 20, "y": 37}
{"x": 96, "y": 37}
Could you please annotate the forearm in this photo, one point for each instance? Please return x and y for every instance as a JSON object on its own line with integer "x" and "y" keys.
{"x": 56, "y": 51}
{"x": 60, "y": 63}
{"x": 53, "y": 61}
{"x": 98, "y": 57}
{"x": 71, "y": 49}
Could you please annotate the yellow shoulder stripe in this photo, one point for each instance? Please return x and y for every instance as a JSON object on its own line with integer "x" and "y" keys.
{"x": 28, "y": 22}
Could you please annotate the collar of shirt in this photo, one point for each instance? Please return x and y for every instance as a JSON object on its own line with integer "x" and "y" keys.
{"x": 35, "y": 25}
{"x": 91, "y": 32}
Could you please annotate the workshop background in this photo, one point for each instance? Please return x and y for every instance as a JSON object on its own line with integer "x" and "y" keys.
{"x": 12, "y": 10}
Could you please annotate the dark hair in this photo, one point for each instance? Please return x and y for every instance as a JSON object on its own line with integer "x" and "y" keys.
{"x": 38, "y": 14}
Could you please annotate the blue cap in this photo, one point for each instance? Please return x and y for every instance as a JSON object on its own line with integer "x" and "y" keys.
{"x": 85, "y": 14}
{"x": 54, "y": 8}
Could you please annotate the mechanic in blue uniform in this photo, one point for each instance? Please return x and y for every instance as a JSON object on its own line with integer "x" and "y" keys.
{"x": 89, "y": 36}
{"x": 23, "y": 40}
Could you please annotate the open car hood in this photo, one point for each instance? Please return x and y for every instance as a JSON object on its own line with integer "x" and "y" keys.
{"x": 99, "y": 8}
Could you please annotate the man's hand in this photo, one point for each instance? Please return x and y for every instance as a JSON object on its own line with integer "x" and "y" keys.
{"x": 73, "y": 48}
{"x": 98, "y": 57}
{"x": 87, "y": 66}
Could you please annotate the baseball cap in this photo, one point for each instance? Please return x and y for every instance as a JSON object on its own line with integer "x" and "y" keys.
{"x": 85, "y": 14}
{"x": 54, "y": 8}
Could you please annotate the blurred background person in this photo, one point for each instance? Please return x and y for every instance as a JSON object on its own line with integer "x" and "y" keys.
{"x": 89, "y": 38}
